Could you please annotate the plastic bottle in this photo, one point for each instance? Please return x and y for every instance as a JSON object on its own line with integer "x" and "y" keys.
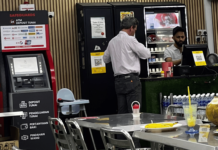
{"x": 164, "y": 103}
{"x": 184, "y": 99}
{"x": 207, "y": 98}
{"x": 162, "y": 74}
{"x": 174, "y": 99}
{"x": 194, "y": 95}
{"x": 135, "y": 109}
{"x": 198, "y": 100}
{"x": 174, "y": 103}
{"x": 211, "y": 98}
{"x": 192, "y": 98}
{"x": 179, "y": 101}
{"x": 202, "y": 100}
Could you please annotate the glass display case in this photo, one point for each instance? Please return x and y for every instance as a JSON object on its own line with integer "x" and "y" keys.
{"x": 159, "y": 24}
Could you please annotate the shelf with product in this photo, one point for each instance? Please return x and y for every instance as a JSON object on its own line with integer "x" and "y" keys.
{"x": 156, "y": 60}
{"x": 156, "y": 38}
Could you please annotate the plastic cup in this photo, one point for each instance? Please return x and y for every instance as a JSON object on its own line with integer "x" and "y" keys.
{"x": 190, "y": 116}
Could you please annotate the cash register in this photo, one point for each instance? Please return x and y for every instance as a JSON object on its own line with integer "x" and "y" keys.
{"x": 188, "y": 65}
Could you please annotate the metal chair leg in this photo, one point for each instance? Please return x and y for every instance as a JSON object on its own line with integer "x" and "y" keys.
{"x": 93, "y": 141}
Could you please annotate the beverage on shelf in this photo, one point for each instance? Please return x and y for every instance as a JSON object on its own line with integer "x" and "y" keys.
{"x": 153, "y": 58}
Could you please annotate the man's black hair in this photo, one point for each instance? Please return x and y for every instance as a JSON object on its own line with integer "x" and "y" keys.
{"x": 127, "y": 22}
{"x": 178, "y": 29}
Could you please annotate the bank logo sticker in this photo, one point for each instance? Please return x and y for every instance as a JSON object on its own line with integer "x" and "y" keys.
{"x": 7, "y": 38}
{"x": 31, "y": 27}
{"x": 32, "y": 30}
{"x": 24, "y": 137}
{"x": 6, "y": 27}
{"x": 24, "y": 126}
{"x": 22, "y": 33}
{"x": 17, "y": 38}
{"x": 20, "y": 43}
{"x": 31, "y": 37}
{"x": 39, "y": 37}
{"x": 97, "y": 48}
{"x": 38, "y": 33}
{"x": 24, "y": 116}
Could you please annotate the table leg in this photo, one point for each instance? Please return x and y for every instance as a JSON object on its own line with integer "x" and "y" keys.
{"x": 93, "y": 141}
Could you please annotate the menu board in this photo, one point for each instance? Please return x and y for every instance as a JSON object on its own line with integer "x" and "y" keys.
{"x": 162, "y": 20}
{"x": 23, "y": 37}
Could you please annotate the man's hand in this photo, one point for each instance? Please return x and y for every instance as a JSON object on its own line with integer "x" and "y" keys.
{"x": 175, "y": 62}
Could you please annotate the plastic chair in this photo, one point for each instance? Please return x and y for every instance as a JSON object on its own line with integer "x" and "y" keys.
{"x": 62, "y": 139}
{"x": 76, "y": 133}
{"x": 109, "y": 141}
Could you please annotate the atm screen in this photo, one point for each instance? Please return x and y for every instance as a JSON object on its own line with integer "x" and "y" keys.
{"x": 162, "y": 20}
{"x": 25, "y": 65}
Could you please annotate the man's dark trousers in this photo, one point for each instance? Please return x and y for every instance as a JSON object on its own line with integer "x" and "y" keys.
{"x": 128, "y": 89}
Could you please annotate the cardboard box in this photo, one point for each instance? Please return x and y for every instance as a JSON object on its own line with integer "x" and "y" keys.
{"x": 27, "y": 7}
{"x": 6, "y": 143}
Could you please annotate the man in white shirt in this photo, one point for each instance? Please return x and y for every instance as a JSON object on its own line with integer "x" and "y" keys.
{"x": 124, "y": 52}
{"x": 174, "y": 52}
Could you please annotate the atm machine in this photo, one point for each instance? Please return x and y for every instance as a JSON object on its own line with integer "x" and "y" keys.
{"x": 27, "y": 77}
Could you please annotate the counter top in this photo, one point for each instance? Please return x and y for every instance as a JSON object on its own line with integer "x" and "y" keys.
{"x": 176, "y": 77}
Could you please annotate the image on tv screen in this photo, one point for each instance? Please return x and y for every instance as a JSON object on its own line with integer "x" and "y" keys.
{"x": 162, "y": 20}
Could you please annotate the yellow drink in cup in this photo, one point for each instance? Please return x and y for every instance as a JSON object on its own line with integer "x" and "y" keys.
{"x": 190, "y": 114}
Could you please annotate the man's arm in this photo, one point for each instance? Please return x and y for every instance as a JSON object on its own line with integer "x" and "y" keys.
{"x": 140, "y": 49}
{"x": 107, "y": 57}
{"x": 175, "y": 62}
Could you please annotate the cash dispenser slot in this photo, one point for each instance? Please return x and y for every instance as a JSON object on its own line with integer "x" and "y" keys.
{"x": 30, "y": 82}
